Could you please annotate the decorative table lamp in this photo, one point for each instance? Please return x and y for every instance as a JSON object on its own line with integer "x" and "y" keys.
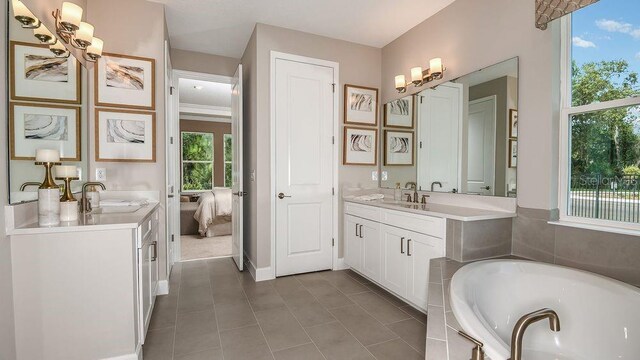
{"x": 48, "y": 192}
{"x": 68, "y": 204}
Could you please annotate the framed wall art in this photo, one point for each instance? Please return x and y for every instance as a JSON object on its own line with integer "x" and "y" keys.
{"x": 125, "y": 136}
{"x": 360, "y": 146}
{"x": 40, "y": 126}
{"x": 398, "y": 147}
{"x": 360, "y": 105}
{"x": 125, "y": 82}
{"x": 513, "y": 153}
{"x": 399, "y": 113}
{"x": 513, "y": 123}
{"x": 37, "y": 75}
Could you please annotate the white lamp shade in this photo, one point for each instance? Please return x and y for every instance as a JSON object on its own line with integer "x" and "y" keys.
{"x": 400, "y": 82}
{"x": 435, "y": 66}
{"x": 47, "y": 155}
{"x": 96, "y": 47}
{"x": 416, "y": 74}
{"x": 66, "y": 171}
{"x": 19, "y": 9}
{"x": 42, "y": 31}
{"x": 57, "y": 46}
{"x": 85, "y": 32}
{"x": 71, "y": 14}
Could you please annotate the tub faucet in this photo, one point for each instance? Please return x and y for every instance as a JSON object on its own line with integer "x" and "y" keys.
{"x": 524, "y": 322}
{"x": 86, "y": 206}
{"x": 478, "y": 352}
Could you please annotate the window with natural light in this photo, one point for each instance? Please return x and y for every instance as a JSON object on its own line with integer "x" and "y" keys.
{"x": 228, "y": 158}
{"x": 601, "y": 136}
{"x": 197, "y": 161}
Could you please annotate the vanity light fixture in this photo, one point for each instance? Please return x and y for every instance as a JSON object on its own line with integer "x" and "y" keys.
{"x": 24, "y": 15}
{"x": 72, "y": 30}
{"x": 59, "y": 50}
{"x": 44, "y": 35}
{"x": 419, "y": 76}
{"x": 94, "y": 51}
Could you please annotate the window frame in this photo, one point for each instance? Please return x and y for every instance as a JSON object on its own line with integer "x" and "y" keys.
{"x": 224, "y": 158}
{"x": 564, "y": 161}
{"x": 183, "y": 161}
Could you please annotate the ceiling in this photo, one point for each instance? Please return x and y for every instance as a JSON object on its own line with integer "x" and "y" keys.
{"x": 210, "y": 94}
{"x": 223, "y": 27}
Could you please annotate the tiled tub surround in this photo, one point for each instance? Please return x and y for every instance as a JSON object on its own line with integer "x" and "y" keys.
{"x": 474, "y": 240}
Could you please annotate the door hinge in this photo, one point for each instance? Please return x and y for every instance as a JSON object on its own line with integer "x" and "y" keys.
{"x": 173, "y": 238}
{"x": 333, "y": 242}
{"x": 171, "y": 88}
{"x": 333, "y": 191}
{"x": 171, "y": 140}
{"x": 421, "y": 97}
{"x": 420, "y": 144}
{"x": 333, "y": 87}
{"x": 333, "y": 140}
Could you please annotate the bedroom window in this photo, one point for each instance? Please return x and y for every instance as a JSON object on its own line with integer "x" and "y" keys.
{"x": 600, "y": 116}
{"x": 228, "y": 158}
{"x": 197, "y": 161}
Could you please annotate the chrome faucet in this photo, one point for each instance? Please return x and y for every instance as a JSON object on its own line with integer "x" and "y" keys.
{"x": 436, "y": 183}
{"x": 86, "y": 206}
{"x": 524, "y": 322}
{"x": 478, "y": 352}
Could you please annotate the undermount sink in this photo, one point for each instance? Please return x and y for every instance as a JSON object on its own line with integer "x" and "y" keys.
{"x": 115, "y": 210}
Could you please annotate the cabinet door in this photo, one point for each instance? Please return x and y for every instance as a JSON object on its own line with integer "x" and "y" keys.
{"x": 420, "y": 249}
{"x": 394, "y": 259}
{"x": 352, "y": 242}
{"x": 371, "y": 249}
{"x": 154, "y": 269}
{"x": 146, "y": 282}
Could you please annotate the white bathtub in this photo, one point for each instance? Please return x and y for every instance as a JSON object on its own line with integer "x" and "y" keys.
{"x": 599, "y": 316}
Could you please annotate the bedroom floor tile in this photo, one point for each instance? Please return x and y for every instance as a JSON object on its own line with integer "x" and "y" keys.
{"x": 215, "y": 312}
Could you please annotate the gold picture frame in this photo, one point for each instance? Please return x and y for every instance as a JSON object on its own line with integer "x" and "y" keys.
{"x": 360, "y": 105}
{"x": 132, "y": 74}
{"x": 112, "y": 151}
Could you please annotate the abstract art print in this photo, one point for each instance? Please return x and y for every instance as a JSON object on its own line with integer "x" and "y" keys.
{"x": 398, "y": 148}
{"x": 513, "y": 153}
{"x": 125, "y": 136}
{"x": 399, "y": 113}
{"x": 513, "y": 123}
{"x": 125, "y": 82}
{"x": 37, "y": 75}
{"x": 360, "y": 105}
{"x": 360, "y": 146}
{"x": 38, "y": 126}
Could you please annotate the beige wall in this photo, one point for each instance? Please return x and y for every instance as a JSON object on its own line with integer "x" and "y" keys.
{"x": 219, "y": 129}
{"x": 203, "y": 63}
{"x": 7, "y": 333}
{"x": 130, "y": 36}
{"x": 359, "y": 65}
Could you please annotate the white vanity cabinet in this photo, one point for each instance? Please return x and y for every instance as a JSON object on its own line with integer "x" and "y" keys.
{"x": 147, "y": 236}
{"x": 393, "y": 248}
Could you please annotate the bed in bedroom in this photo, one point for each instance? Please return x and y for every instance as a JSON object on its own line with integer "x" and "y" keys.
{"x": 209, "y": 216}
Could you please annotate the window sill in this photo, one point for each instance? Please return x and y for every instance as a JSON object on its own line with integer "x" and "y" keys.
{"x": 609, "y": 229}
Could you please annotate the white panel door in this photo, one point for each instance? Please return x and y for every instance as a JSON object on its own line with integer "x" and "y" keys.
{"x": 394, "y": 259}
{"x": 237, "y": 188}
{"x": 352, "y": 243}
{"x": 482, "y": 143}
{"x": 304, "y": 105}
{"x": 371, "y": 249}
{"x": 438, "y": 131}
{"x": 421, "y": 249}
{"x": 173, "y": 180}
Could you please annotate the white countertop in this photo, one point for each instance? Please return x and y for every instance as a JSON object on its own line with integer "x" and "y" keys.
{"x": 438, "y": 210}
{"x": 93, "y": 222}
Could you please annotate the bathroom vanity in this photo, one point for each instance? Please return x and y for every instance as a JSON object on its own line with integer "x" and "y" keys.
{"x": 86, "y": 290}
{"x": 391, "y": 242}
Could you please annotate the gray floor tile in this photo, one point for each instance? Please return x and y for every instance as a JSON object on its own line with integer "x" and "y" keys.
{"x": 245, "y": 344}
{"x": 311, "y": 314}
{"x": 158, "y": 344}
{"x": 211, "y": 354}
{"x": 196, "y": 331}
{"x": 386, "y": 295}
{"x": 164, "y": 312}
{"x": 418, "y": 315}
{"x": 394, "y": 350}
{"x": 362, "y": 325}
{"x": 412, "y": 331}
{"x": 234, "y": 315}
{"x": 325, "y": 293}
{"x": 195, "y": 299}
{"x": 281, "y": 329}
{"x": 302, "y": 352}
{"x": 336, "y": 343}
{"x": 359, "y": 278}
{"x": 379, "y": 308}
{"x": 343, "y": 282}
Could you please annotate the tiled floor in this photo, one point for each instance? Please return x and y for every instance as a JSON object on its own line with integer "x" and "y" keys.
{"x": 215, "y": 312}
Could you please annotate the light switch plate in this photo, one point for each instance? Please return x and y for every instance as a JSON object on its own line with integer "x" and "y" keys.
{"x": 79, "y": 173}
{"x": 253, "y": 175}
{"x": 384, "y": 176}
{"x": 374, "y": 176}
{"x": 101, "y": 174}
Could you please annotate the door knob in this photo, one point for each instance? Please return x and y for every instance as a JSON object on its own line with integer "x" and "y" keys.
{"x": 240, "y": 193}
{"x": 487, "y": 187}
{"x": 282, "y": 196}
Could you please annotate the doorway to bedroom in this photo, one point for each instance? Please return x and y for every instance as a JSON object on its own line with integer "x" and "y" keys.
{"x": 207, "y": 166}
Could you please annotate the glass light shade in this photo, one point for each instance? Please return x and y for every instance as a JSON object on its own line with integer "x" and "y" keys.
{"x": 58, "y": 48}
{"x": 66, "y": 171}
{"x": 71, "y": 15}
{"x": 95, "y": 49}
{"x": 24, "y": 15}
{"x": 400, "y": 82}
{"x": 43, "y": 34}
{"x": 416, "y": 75}
{"x": 47, "y": 155}
{"x": 435, "y": 66}
{"x": 84, "y": 34}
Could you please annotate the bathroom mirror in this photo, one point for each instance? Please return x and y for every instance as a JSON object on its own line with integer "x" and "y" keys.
{"x": 47, "y": 108}
{"x": 458, "y": 137}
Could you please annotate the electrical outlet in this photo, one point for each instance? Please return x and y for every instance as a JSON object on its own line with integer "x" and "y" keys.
{"x": 79, "y": 173}
{"x": 385, "y": 176}
{"x": 101, "y": 174}
{"x": 374, "y": 176}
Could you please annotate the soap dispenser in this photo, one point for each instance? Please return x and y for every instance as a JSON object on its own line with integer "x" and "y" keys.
{"x": 397, "y": 193}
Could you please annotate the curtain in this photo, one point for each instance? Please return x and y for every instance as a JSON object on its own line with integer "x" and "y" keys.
{"x": 548, "y": 10}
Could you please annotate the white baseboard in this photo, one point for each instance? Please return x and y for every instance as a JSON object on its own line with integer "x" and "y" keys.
{"x": 136, "y": 356}
{"x": 341, "y": 265}
{"x": 258, "y": 274}
{"x": 163, "y": 287}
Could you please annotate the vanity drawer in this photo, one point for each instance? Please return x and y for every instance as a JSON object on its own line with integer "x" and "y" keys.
{"x": 146, "y": 227}
{"x": 366, "y": 212}
{"x": 423, "y": 224}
